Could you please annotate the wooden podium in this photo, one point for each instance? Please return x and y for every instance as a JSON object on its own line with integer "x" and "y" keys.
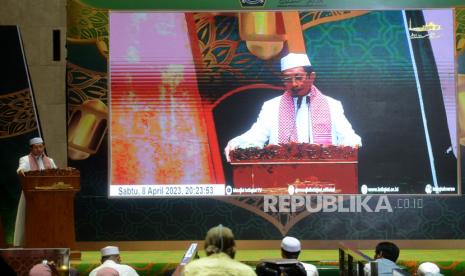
{"x": 295, "y": 168}
{"x": 50, "y": 207}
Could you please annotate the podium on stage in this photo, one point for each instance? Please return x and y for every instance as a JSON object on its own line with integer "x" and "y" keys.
{"x": 50, "y": 207}
{"x": 295, "y": 168}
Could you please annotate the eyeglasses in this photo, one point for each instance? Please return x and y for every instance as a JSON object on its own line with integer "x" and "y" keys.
{"x": 297, "y": 78}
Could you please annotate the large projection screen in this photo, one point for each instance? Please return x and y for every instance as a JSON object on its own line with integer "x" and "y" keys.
{"x": 183, "y": 84}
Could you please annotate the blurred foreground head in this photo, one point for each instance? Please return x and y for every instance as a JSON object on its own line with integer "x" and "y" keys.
{"x": 220, "y": 239}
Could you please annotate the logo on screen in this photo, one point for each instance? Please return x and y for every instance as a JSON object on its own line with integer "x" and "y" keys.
{"x": 229, "y": 190}
{"x": 429, "y": 30}
{"x": 364, "y": 189}
{"x": 252, "y": 3}
{"x": 428, "y": 189}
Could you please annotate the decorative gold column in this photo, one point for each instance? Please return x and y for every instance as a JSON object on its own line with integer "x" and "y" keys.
{"x": 294, "y": 35}
{"x": 263, "y": 33}
{"x": 87, "y": 126}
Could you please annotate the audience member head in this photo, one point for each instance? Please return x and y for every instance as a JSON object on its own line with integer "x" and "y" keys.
{"x": 220, "y": 239}
{"x": 387, "y": 250}
{"x": 428, "y": 268}
{"x": 40, "y": 270}
{"x": 107, "y": 271}
{"x": 110, "y": 253}
{"x": 290, "y": 248}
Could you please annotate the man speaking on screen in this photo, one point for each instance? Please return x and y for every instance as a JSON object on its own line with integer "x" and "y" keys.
{"x": 302, "y": 114}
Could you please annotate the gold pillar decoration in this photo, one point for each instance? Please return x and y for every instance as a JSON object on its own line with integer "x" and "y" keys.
{"x": 263, "y": 33}
{"x": 294, "y": 35}
{"x": 87, "y": 126}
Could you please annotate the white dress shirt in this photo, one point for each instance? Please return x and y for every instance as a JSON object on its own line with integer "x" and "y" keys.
{"x": 310, "y": 269}
{"x": 385, "y": 267}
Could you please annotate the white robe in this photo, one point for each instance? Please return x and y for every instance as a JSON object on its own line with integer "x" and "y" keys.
{"x": 18, "y": 237}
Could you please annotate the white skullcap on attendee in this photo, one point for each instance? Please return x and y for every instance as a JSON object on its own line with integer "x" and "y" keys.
{"x": 109, "y": 251}
{"x": 290, "y": 244}
{"x": 428, "y": 268}
{"x": 294, "y": 60}
{"x": 40, "y": 270}
{"x": 35, "y": 141}
{"x": 107, "y": 271}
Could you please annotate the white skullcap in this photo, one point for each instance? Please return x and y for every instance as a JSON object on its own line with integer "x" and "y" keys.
{"x": 290, "y": 244}
{"x": 428, "y": 268}
{"x": 36, "y": 140}
{"x": 294, "y": 60}
{"x": 109, "y": 250}
{"x": 40, "y": 270}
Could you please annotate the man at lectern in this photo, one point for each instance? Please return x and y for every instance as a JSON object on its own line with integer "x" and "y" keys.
{"x": 35, "y": 160}
{"x": 301, "y": 114}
